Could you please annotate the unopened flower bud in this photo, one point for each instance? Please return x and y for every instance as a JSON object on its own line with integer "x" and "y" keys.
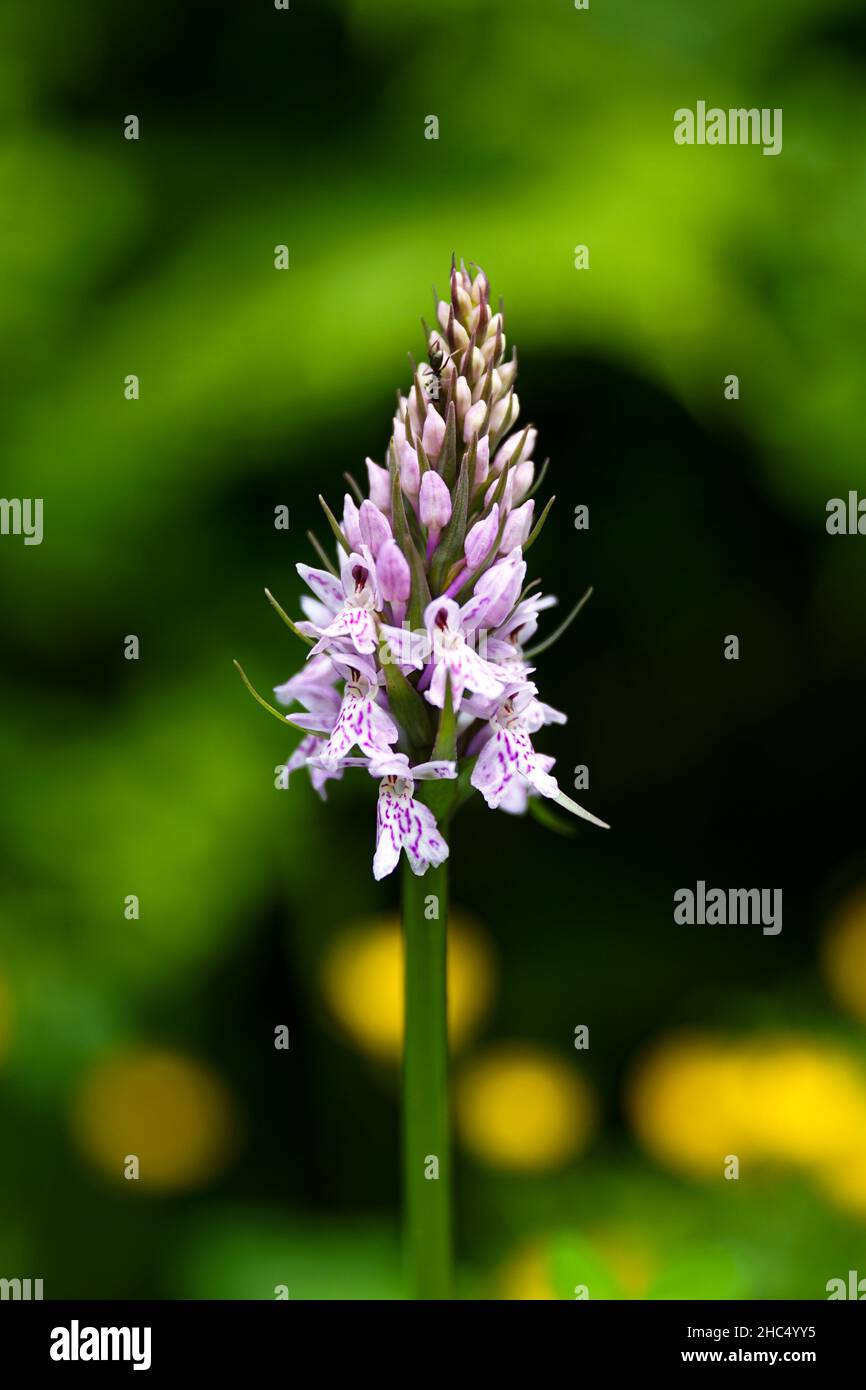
{"x": 522, "y": 477}
{"x": 392, "y": 571}
{"x": 351, "y": 529}
{"x": 374, "y": 525}
{"x": 480, "y": 288}
{"x": 475, "y": 417}
{"x": 477, "y": 365}
{"x": 380, "y": 485}
{"x": 504, "y": 413}
{"x": 506, "y": 450}
{"x": 517, "y": 527}
{"x": 410, "y": 471}
{"x": 494, "y": 325}
{"x": 434, "y": 501}
{"x": 434, "y": 433}
{"x": 461, "y": 337}
{"x": 507, "y": 374}
{"x": 488, "y": 350}
{"x": 462, "y": 400}
{"x": 480, "y": 538}
{"x": 501, "y": 585}
{"x": 507, "y": 494}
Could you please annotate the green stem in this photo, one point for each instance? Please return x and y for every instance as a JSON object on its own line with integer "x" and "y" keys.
{"x": 426, "y": 1129}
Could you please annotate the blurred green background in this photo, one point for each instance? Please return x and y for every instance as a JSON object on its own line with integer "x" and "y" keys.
{"x": 155, "y": 1036}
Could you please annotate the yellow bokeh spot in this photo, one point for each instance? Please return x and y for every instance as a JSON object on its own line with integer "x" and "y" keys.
{"x": 788, "y": 1100}
{"x": 810, "y": 1102}
{"x": 521, "y": 1107}
{"x": 689, "y": 1103}
{"x": 844, "y": 955}
{"x": 362, "y": 981}
{"x": 169, "y": 1111}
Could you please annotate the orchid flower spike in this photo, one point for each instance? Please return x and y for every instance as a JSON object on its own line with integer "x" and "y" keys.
{"x": 422, "y": 637}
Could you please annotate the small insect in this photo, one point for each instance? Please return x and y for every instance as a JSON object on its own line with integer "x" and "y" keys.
{"x": 437, "y": 361}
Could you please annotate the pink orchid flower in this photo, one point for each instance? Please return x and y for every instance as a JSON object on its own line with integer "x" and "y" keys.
{"x": 402, "y": 823}
{"x": 353, "y": 602}
{"x": 509, "y": 754}
{"x": 361, "y": 722}
{"x": 453, "y": 631}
